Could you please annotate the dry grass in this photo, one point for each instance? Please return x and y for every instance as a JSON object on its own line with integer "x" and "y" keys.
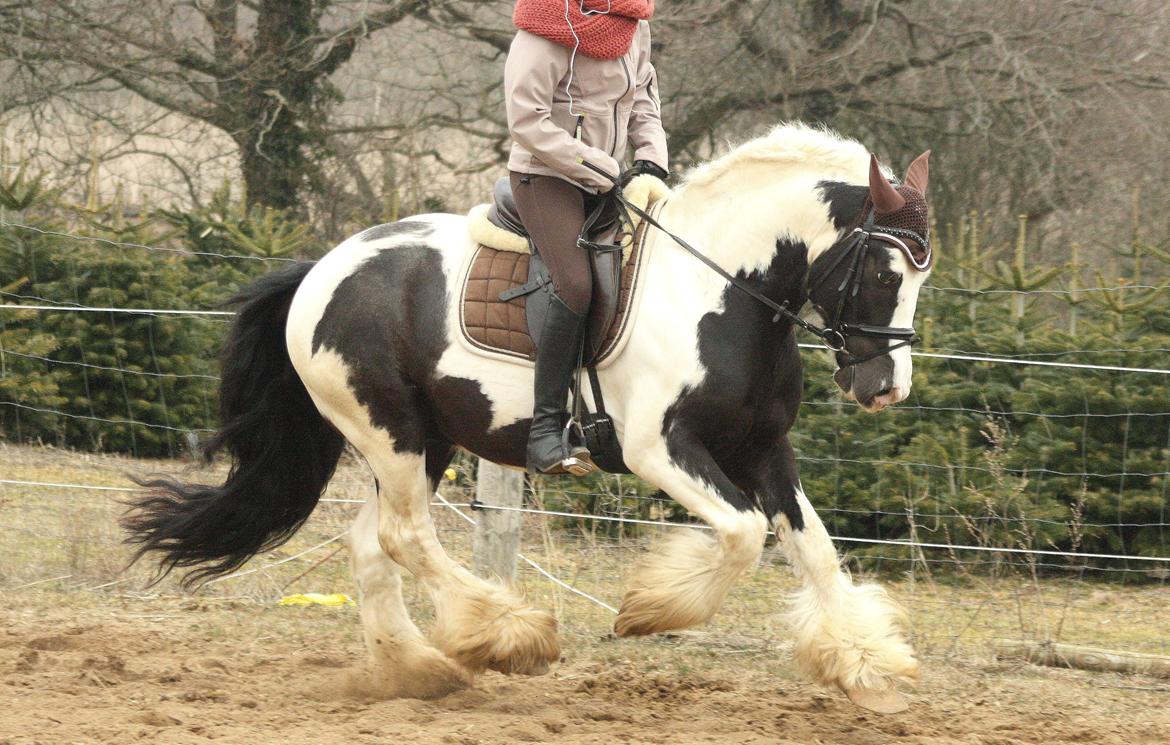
{"x": 67, "y": 542}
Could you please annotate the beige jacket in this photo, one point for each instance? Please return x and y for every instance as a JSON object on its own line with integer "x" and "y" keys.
{"x": 613, "y": 102}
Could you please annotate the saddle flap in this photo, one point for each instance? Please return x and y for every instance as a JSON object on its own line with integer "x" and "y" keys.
{"x": 606, "y": 263}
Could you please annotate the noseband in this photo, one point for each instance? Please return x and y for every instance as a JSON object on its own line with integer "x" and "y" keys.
{"x": 837, "y": 332}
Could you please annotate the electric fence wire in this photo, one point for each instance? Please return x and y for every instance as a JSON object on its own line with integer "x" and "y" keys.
{"x": 664, "y": 501}
{"x": 965, "y": 291}
{"x": 444, "y": 502}
{"x": 930, "y": 355}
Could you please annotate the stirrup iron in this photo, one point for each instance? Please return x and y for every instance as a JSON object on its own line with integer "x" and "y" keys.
{"x": 572, "y": 464}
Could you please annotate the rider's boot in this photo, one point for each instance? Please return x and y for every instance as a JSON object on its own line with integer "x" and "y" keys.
{"x": 552, "y": 445}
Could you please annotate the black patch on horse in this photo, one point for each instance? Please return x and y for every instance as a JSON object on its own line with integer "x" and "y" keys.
{"x": 387, "y": 321}
{"x": 466, "y": 412}
{"x": 747, "y": 401}
{"x": 774, "y": 481}
{"x": 845, "y": 202}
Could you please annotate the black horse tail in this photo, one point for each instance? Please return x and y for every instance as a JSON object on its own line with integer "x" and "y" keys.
{"x": 282, "y": 450}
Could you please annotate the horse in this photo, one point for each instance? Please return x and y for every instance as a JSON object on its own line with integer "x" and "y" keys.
{"x": 363, "y": 347}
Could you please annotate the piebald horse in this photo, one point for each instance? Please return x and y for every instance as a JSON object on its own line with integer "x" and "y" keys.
{"x": 365, "y": 346}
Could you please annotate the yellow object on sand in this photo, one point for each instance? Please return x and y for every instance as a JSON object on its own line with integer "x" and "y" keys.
{"x": 316, "y": 598}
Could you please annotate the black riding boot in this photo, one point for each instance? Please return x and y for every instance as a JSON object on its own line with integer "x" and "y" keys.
{"x": 556, "y": 361}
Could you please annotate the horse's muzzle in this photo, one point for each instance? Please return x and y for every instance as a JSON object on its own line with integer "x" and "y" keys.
{"x": 886, "y": 398}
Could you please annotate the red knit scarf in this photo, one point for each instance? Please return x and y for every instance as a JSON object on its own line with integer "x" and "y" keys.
{"x": 603, "y": 35}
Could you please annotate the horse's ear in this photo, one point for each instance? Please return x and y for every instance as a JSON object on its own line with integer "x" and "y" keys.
{"x": 918, "y": 174}
{"x": 885, "y": 198}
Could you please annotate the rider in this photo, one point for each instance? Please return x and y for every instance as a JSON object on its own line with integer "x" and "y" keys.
{"x": 579, "y": 85}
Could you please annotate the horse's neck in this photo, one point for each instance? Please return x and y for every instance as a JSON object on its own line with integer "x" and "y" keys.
{"x": 753, "y": 233}
{"x": 737, "y": 235}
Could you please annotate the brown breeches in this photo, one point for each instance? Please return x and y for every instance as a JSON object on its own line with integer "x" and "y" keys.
{"x": 553, "y": 211}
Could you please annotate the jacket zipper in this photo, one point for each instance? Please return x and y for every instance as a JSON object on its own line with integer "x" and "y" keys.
{"x": 629, "y": 84}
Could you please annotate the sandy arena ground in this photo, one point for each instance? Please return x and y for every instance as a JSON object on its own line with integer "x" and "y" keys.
{"x": 197, "y": 670}
{"x": 87, "y": 655}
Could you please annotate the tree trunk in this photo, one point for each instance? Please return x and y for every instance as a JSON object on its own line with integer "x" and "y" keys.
{"x": 273, "y": 163}
{"x": 275, "y": 105}
{"x": 1085, "y": 658}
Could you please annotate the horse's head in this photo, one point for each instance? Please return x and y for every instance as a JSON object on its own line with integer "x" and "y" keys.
{"x": 865, "y": 288}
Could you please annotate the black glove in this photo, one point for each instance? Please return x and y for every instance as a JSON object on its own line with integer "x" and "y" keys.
{"x": 640, "y": 167}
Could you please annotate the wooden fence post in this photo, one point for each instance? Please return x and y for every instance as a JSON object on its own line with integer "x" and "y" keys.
{"x": 497, "y": 533}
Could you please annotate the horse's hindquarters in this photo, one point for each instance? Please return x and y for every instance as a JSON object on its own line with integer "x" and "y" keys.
{"x": 370, "y": 334}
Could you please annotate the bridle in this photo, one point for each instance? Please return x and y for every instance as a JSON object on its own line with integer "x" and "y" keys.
{"x": 836, "y": 333}
{"x": 857, "y": 245}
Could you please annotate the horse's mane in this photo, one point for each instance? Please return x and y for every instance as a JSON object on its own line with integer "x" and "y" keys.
{"x": 792, "y": 143}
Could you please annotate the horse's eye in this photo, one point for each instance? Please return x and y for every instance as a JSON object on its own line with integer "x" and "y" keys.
{"x": 889, "y": 278}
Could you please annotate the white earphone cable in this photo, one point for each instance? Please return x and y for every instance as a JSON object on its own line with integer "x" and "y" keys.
{"x": 577, "y": 44}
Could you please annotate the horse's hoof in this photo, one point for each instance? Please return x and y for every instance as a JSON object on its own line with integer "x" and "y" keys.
{"x": 507, "y": 667}
{"x": 884, "y": 701}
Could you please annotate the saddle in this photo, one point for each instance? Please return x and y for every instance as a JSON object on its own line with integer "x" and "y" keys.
{"x": 507, "y": 287}
{"x": 506, "y": 292}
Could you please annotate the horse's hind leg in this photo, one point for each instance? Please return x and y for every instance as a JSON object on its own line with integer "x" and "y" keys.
{"x": 481, "y": 624}
{"x": 405, "y": 664}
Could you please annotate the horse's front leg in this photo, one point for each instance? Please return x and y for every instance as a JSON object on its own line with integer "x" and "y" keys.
{"x": 683, "y": 581}
{"x": 846, "y": 635}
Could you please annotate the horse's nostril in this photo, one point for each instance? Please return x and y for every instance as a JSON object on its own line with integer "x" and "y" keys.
{"x": 883, "y": 392}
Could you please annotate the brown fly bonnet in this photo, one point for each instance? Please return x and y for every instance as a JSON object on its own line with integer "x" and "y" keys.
{"x": 900, "y": 212}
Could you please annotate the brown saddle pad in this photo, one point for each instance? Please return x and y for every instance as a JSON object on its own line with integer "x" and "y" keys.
{"x": 500, "y": 326}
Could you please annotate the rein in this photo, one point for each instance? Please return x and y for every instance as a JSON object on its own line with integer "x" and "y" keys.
{"x": 837, "y": 332}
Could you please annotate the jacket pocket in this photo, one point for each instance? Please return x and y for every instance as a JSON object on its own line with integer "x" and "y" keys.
{"x": 625, "y": 110}
{"x": 598, "y": 131}
{"x": 590, "y": 126}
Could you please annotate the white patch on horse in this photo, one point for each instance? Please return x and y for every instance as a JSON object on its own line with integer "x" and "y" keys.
{"x": 775, "y": 180}
{"x": 404, "y": 663}
{"x": 846, "y": 635}
{"x": 505, "y": 381}
{"x": 903, "y": 317}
